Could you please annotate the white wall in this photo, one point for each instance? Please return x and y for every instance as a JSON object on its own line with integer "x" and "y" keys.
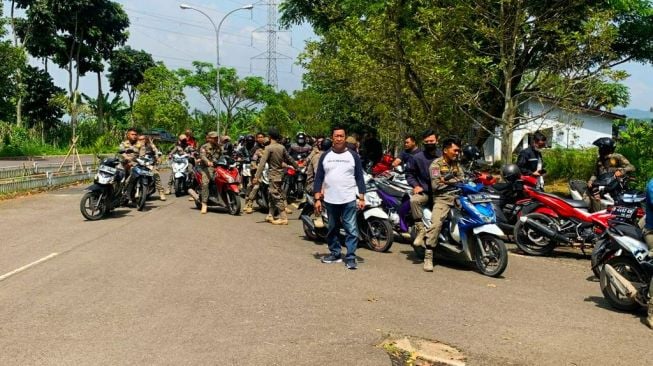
{"x": 570, "y": 130}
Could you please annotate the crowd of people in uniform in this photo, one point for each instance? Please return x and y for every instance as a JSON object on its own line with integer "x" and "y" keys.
{"x": 334, "y": 176}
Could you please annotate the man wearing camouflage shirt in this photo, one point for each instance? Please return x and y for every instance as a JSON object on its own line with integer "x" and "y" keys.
{"x": 607, "y": 162}
{"x": 445, "y": 172}
{"x": 130, "y": 149}
{"x": 277, "y": 158}
{"x": 209, "y": 152}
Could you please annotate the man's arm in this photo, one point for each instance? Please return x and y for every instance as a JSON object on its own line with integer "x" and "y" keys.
{"x": 411, "y": 172}
{"x": 289, "y": 159}
{"x": 522, "y": 163}
{"x": 261, "y": 163}
{"x": 358, "y": 173}
{"x": 319, "y": 175}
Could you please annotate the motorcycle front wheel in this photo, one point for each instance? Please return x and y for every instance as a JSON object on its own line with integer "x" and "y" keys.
{"x": 179, "y": 187}
{"x": 92, "y": 207}
{"x": 141, "y": 195}
{"x": 491, "y": 255}
{"x": 233, "y": 203}
{"x": 530, "y": 241}
{"x": 628, "y": 268}
{"x": 378, "y": 234}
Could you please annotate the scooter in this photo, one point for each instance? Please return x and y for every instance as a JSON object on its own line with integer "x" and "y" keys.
{"x": 262, "y": 198}
{"x": 294, "y": 180}
{"x": 183, "y": 180}
{"x": 469, "y": 233}
{"x": 374, "y": 227}
{"x": 627, "y": 268}
{"x": 106, "y": 192}
{"x": 611, "y": 190}
{"x": 223, "y": 190}
{"x": 142, "y": 176}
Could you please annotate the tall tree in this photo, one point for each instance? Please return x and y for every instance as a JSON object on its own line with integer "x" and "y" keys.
{"x": 40, "y": 107}
{"x": 12, "y": 61}
{"x": 236, "y": 94}
{"x": 126, "y": 71}
{"x": 76, "y": 34}
{"x": 161, "y": 101}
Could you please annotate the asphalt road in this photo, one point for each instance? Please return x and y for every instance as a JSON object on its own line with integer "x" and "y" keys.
{"x": 172, "y": 287}
{"x": 49, "y": 160}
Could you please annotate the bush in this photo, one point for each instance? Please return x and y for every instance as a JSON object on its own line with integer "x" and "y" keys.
{"x": 569, "y": 163}
{"x": 635, "y": 140}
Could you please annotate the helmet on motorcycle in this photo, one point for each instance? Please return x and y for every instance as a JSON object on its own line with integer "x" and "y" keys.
{"x": 326, "y": 144}
{"x": 510, "y": 172}
{"x": 300, "y": 138}
{"x": 471, "y": 153}
{"x": 249, "y": 138}
{"x": 606, "y": 145}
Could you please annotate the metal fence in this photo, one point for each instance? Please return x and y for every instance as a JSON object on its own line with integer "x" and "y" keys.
{"x": 34, "y": 176}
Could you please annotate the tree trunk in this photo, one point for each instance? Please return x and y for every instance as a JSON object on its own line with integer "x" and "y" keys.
{"x": 100, "y": 103}
{"x": 507, "y": 128}
{"x": 19, "y": 73}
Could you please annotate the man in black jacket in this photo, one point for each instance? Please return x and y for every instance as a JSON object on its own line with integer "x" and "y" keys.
{"x": 530, "y": 160}
{"x": 418, "y": 176}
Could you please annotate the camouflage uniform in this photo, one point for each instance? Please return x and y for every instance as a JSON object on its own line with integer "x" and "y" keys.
{"x": 252, "y": 189}
{"x": 311, "y": 167}
{"x": 611, "y": 163}
{"x": 275, "y": 155}
{"x": 151, "y": 150}
{"x": 208, "y": 154}
{"x": 129, "y": 160}
{"x": 443, "y": 195}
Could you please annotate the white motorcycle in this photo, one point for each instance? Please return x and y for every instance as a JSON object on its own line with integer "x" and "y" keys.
{"x": 180, "y": 170}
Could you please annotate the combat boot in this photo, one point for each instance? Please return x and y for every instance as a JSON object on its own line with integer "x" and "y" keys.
{"x": 162, "y": 195}
{"x": 249, "y": 207}
{"x": 420, "y": 233}
{"x": 287, "y": 210}
{"x": 169, "y": 190}
{"x": 428, "y": 260}
{"x": 204, "y": 208}
{"x": 649, "y": 318}
{"x": 282, "y": 220}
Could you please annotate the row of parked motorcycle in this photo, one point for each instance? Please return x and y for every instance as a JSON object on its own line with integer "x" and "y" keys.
{"x": 486, "y": 215}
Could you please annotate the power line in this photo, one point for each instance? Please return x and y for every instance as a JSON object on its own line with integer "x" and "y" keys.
{"x": 183, "y": 21}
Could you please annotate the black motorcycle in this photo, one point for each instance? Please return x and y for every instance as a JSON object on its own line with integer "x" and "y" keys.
{"x": 294, "y": 180}
{"x": 106, "y": 192}
{"x": 627, "y": 268}
{"x": 142, "y": 178}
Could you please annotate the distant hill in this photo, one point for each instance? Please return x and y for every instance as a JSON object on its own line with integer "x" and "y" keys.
{"x": 635, "y": 113}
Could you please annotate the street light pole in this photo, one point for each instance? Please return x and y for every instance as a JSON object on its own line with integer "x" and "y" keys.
{"x": 217, "y": 50}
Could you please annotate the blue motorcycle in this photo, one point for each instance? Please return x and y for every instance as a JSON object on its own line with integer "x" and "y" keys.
{"x": 470, "y": 233}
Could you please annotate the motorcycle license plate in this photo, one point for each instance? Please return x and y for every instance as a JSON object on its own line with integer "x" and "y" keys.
{"x": 107, "y": 169}
{"x": 624, "y": 212}
{"x": 479, "y": 198}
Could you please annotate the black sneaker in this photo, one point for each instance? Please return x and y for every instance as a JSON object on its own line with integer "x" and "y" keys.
{"x": 351, "y": 263}
{"x": 331, "y": 259}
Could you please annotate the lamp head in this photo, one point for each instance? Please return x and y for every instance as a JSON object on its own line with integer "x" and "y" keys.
{"x": 185, "y": 6}
{"x": 248, "y": 7}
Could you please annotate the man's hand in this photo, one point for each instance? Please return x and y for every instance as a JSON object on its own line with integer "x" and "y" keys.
{"x": 360, "y": 203}
{"x": 396, "y": 162}
{"x": 418, "y": 190}
{"x": 210, "y": 163}
{"x": 536, "y": 173}
{"x": 618, "y": 173}
{"x": 318, "y": 206}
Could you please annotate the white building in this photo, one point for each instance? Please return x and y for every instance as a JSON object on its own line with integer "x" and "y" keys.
{"x": 563, "y": 128}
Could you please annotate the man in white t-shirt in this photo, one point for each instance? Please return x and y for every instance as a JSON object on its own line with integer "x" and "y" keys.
{"x": 340, "y": 187}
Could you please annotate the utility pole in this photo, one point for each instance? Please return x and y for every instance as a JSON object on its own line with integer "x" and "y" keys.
{"x": 271, "y": 55}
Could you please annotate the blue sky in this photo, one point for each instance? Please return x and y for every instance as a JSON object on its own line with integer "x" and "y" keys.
{"x": 177, "y": 37}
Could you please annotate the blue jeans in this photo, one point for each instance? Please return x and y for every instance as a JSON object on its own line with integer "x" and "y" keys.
{"x": 342, "y": 215}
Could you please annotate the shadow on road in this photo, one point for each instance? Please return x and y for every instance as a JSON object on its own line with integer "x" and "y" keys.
{"x": 602, "y": 303}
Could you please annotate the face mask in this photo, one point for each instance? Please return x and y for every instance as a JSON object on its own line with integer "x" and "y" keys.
{"x": 430, "y": 147}
{"x": 301, "y": 141}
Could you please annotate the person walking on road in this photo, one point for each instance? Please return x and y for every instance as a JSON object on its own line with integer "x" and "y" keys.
{"x": 209, "y": 152}
{"x": 277, "y": 158}
{"x": 340, "y": 186}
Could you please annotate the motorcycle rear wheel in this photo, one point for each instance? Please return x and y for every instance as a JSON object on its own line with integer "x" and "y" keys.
{"x": 378, "y": 234}
{"x": 233, "y": 203}
{"x": 90, "y": 208}
{"x": 495, "y": 260}
{"x": 628, "y": 268}
{"x": 530, "y": 241}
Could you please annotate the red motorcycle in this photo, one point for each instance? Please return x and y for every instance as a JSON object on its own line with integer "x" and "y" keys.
{"x": 561, "y": 221}
{"x": 223, "y": 190}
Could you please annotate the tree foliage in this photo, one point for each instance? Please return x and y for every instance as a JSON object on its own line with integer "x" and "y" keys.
{"x": 160, "y": 101}
{"x": 126, "y": 71}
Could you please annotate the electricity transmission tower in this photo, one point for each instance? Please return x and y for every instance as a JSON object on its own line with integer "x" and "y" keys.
{"x": 271, "y": 55}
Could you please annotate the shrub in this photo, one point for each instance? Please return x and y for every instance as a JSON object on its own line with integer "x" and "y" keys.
{"x": 569, "y": 163}
{"x": 635, "y": 140}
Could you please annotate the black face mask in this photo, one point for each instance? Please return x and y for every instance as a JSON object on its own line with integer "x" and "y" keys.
{"x": 431, "y": 148}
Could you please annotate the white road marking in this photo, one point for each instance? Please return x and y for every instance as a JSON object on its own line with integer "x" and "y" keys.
{"x": 21, "y": 269}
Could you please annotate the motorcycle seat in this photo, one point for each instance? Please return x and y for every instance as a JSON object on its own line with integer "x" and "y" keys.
{"x": 577, "y": 203}
{"x": 628, "y": 230}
